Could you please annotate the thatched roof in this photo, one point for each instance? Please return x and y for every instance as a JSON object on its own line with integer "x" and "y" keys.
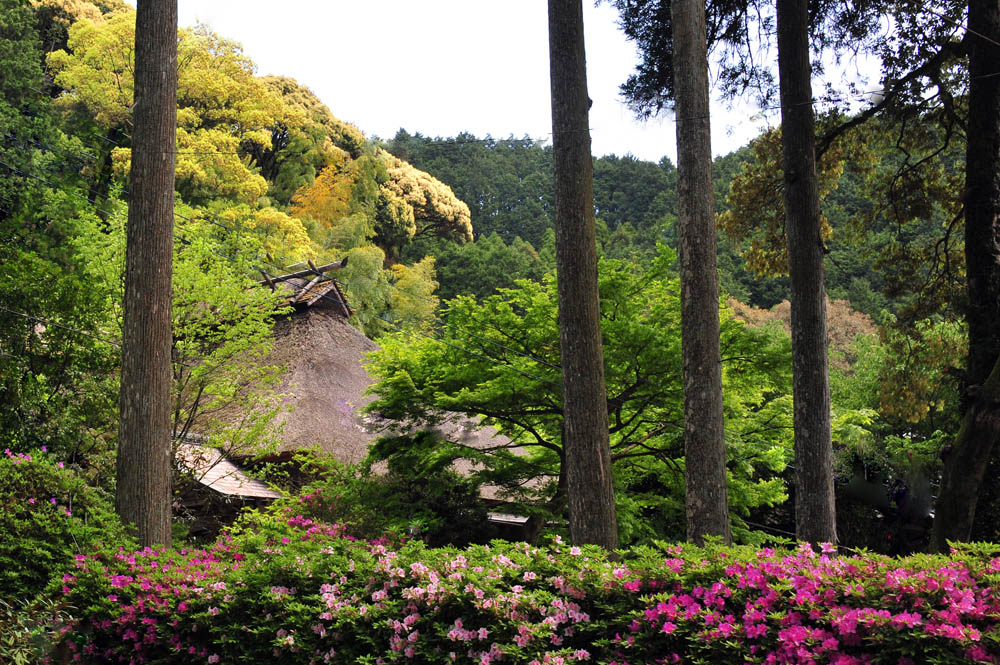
{"x": 307, "y": 287}
{"x": 324, "y": 382}
{"x": 324, "y": 385}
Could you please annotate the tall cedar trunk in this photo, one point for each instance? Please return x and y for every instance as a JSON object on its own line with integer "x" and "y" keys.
{"x": 815, "y": 520}
{"x": 966, "y": 463}
{"x": 704, "y": 431}
{"x": 144, "y": 467}
{"x": 590, "y": 492}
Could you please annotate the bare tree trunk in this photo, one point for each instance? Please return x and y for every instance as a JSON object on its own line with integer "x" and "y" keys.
{"x": 704, "y": 429}
{"x": 965, "y": 466}
{"x": 590, "y": 491}
{"x": 144, "y": 469}
{"x": 815, "y": 518}
{"x": 966, "y": 463}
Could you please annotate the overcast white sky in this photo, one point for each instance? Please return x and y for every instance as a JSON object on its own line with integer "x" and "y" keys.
{"x": 440, "y": 67}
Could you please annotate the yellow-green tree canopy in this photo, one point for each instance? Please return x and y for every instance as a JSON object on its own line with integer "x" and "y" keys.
{"x": 342, "y": 134}
{"x": 263, "y": 157}
{"x": 222, "y": 106}
{"x": 306, "y": 139}
{"x": 64, "y": 13}
{"x": 399, "y": 201}
{"x": 343, "y": 207}
{"x": 53, "y": 17}
{"x": 280, "y": 235}
{"x": 436, "y": 209}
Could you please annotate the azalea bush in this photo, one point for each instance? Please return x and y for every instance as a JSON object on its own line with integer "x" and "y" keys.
{"x": 286, "y": 588}
{"x": 47, "y": 515}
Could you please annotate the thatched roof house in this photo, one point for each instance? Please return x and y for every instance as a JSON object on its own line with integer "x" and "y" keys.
{"x": 324, "y": 382}
{"x": 323, "y": 391}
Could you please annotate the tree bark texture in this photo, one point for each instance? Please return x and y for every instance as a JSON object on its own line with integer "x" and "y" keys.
{"x": 707, "y": 504}
{"x": 590, "y": 492}
{"x": 815, "y": 519}
{"x": 144, "y": 468}
{"x": 964, "y": 466}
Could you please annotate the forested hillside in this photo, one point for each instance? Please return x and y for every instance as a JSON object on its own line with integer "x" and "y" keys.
{"x": 507, "y": 185}
{"x": 450, "y": 259}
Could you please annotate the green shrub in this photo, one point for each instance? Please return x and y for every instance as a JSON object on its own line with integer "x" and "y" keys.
{"x": 439, "y": 507}
{"x": 29, "y": 629}
{"x": 47, "y": 515}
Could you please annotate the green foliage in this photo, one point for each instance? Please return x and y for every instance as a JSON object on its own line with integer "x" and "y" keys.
{"x": 22, "y": 110}
{"x": 29, "y": 628}
{"x": 907, "y": 376}
{"x": 889, "y": 461}
{"x": 632, "y": 191}
{"x": 913, "y": 216}
{"x": 507, "y": 183}
{"x": 479, "y": 268}
{"x": 756, "y": 214}
{"x": 55, "y": 370}
{"x": 386, "y": 300}
{"x": 54, "y": 364}
{"x": 498, "y": 360}
{"x": 223, "y": 324}
{"x": 431, "y": 503}
{"x": 48, "y": 514}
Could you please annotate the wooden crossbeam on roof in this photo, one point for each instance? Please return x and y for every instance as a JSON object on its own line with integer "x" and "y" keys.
{"x": 307, "y": 293}
{"x": 312, "y": 270}
{"x": 306, "y": 290}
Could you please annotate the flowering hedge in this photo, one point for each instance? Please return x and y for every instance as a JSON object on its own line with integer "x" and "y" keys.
{"x": 47, "y": 514}
{"x": 289, "y": 589}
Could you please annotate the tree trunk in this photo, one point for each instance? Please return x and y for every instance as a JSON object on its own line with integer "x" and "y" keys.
{"x": 815, "y": 519}
{"x": 590, "y": 491}
{"x": 144, "y": 469}
{"x": 704, "y": 430}
{"x": 964, "y": 466}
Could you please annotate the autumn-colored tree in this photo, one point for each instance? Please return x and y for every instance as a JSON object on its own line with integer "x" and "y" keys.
{"x": 397, "y": 201}
{"x": 328, "y": 198}
{"x": 349, "y": 205}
